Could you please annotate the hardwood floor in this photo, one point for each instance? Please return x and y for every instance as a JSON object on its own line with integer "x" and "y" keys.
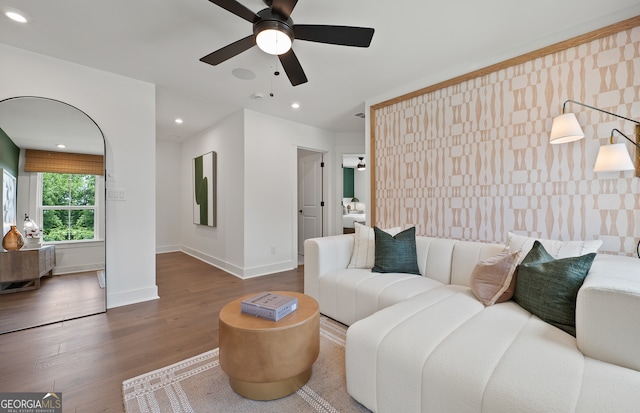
{"x": 88, "y": 359}
{"x": 59, "y": 298}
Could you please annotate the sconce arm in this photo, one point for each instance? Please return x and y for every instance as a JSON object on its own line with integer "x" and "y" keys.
{"x": 599, "y": 110}
{"x": 625, "y": 136}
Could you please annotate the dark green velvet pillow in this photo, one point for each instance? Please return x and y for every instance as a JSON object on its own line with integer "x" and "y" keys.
{"x": 548, "y": 287}
{"x": 395, "y": 253}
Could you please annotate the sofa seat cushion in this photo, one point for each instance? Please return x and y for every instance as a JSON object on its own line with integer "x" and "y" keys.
{"x": 442, "y": 350}
{"x": 347, "y": 295}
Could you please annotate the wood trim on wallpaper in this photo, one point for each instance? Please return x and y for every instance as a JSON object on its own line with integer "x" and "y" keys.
{"x": 554, "y": 48}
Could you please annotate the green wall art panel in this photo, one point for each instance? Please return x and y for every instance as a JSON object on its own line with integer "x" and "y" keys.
{"x": 204, "y": 189}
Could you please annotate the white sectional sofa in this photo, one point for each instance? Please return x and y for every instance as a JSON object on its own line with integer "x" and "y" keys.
{"x": 425, "y": 343}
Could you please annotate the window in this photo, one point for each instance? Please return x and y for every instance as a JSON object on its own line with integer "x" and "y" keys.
{"x": 68, "y": 206}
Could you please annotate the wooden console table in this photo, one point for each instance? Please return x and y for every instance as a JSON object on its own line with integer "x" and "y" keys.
{"x": 21, "y": 270}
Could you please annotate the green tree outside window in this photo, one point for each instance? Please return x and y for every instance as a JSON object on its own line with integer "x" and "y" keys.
{"x": 68, "y": 207}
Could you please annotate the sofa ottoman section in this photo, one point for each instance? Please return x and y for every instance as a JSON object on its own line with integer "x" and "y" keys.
{"x": 443, "y": 351}
{"x": 352, "y": 294}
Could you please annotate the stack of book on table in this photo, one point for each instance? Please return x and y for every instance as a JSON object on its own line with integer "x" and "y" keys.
{"x": 269, "y": 305}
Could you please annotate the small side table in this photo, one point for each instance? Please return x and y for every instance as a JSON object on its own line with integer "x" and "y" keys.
{"x": 25, "y": 267}
{"x": 267, "y": 360}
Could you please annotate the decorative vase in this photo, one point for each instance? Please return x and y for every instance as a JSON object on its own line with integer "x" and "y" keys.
{"x": 12, "y": 240}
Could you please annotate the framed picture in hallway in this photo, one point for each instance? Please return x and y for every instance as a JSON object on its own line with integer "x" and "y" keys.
{"x": 204, "y": 189}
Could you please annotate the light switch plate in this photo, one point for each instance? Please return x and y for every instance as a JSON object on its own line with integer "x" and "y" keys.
{"x": 116, "y": 194}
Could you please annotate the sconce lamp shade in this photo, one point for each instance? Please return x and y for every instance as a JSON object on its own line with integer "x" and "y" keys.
{"x": 613, "y": 158}
{"x": 565, "y": 128}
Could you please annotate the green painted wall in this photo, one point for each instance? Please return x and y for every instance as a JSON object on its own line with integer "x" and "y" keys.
{"x": 347, "y": 184}
{"x": 9, "y": 154}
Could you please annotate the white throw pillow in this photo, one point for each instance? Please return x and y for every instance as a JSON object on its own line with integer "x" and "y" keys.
{"x": 364, "y": 247}
{"x": 557, "y": 249}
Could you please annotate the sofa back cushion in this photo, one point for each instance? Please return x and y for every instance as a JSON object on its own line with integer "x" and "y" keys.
{"x": 434, "y": 257}
{"x": 451, "y": 261}
{"x": 466, "y": 254}
{"x": 557, "y": 249}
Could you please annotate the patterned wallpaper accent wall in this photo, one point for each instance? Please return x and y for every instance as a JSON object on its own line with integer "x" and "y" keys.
{"x": 473, "y": 161}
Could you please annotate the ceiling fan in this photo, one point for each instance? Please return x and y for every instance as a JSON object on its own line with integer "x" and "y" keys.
{"x": 274, "y": 31}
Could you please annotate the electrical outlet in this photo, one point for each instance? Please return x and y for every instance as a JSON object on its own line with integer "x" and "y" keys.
{"x": 273, "y": 250}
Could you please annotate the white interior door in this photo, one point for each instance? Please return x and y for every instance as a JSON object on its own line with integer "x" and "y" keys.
{"x": 310, "y": 202}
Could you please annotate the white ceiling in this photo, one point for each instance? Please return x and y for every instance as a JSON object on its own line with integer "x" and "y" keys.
{"x": 416, "y": 43}
{"x": 37, "y": 123}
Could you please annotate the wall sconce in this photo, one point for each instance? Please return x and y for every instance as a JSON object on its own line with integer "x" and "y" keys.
{"x": 565, "y": 128}
{"x": 361, "y": 166}
{"x": 614, "y": 157}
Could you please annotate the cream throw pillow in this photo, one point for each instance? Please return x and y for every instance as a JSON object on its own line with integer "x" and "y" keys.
{"x": 491, "y": 278}
{"x": 557, "y": 249}
{"x": 364, "y": 247}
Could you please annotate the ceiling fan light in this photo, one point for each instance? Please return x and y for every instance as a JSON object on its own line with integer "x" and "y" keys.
{"x": 273, "y": 41}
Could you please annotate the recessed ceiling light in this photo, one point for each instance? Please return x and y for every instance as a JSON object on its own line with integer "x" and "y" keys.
{"x": 295, "y": 105}
{"x": 178, "y": 121}
{"x": 16, "y": 16}
{"x": 61, "y": 145}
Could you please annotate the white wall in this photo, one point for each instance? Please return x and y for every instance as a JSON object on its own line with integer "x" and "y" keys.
{"x": 222, "y": 245}
{"x": 271, "y": 168}
{"x": 79, "y": 257}
{"x": 124, "y": 109}
{"x": 168, "y": 193}
{"x": 256, "y": 190}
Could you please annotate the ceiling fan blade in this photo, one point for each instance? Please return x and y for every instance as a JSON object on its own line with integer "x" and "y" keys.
{"x": 340, "y": 35}
{"x": 236, "y": 8}
{"x": 229, "y": 51}
{"x": 283, "y": 7}
{"x": 292, "y": 68}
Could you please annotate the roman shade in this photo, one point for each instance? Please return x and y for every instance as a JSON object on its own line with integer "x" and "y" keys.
{"x": 63, "y": 162}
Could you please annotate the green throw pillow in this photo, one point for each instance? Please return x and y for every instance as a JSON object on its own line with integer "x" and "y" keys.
{"x": 548, "y": 287}
{"x": 396, "y": 253}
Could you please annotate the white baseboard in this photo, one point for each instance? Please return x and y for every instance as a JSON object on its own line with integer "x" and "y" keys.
{"x": 240, "y": 272}
{"x": 161, "y": 249}
{"x": 130, "y": 297}
{"x": 70, "y": 269}
{"x": 223, "y": 265}
{"x": 269, "y": 269}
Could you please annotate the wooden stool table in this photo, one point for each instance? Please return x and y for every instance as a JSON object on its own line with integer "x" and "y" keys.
{"x": 265, "y": 359}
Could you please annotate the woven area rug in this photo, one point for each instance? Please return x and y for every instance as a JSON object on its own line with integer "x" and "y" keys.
{"x": 198, "y": 384}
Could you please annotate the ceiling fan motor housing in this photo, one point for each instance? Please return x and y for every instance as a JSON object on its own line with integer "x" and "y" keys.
{"x": 270, "y": 20}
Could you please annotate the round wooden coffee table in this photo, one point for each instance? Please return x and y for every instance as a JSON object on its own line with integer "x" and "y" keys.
{"x": 265, "y": 359}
